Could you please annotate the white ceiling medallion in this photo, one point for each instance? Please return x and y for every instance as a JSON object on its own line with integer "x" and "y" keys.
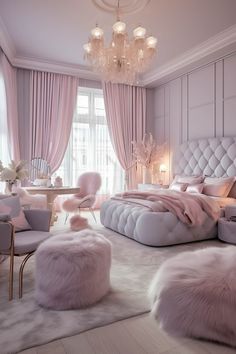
{"x": 126, "y": 6}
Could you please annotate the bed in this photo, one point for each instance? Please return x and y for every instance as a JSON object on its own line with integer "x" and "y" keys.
{"x": 212, "y": 157}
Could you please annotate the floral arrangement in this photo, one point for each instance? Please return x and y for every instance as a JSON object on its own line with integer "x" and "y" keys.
{"x": 147, "y": 152}
{"x": 14, "y": 171}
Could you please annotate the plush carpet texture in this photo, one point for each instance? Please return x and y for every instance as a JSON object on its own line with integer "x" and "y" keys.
{"x": 24, "y": 324}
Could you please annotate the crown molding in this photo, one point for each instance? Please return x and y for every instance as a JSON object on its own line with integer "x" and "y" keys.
{"x": 6, "y": 42}
{"x": 206, "y": 48}
{"x": 56, "y": 67}
{"x": 212, "y": 45}
{"x": 130, "y": 7}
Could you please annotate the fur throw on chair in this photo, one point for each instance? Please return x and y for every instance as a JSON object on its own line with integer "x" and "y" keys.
{"x": 78, "y": 223}
{"x": 194, "y": 294}
{"x": 70, "y": 205}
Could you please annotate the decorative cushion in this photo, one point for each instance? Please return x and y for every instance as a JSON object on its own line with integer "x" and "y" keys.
{"x": 72, "y": 270}
{"x": 180, "y": 187}
{"x": 195, "y": 188}
{"x": 218, "y": 187}
{"x": 193, "y": 294}
{"x": 188, "y": 179}
{"x": 11, "y": 206}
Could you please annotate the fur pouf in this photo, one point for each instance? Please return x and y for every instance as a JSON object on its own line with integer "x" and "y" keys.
{"x": 194, "y": 294}
{"x": 78, "y": 223}
{"x": 72, "y": 270}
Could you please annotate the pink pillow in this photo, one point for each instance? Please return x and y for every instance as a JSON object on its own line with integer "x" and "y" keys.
{"x": 218, "y": 187}
{"x": 12, "y": 207}
{"x": 195, "y": 188}
{"x": 188, "y": 179}
{"x": 179, "y": 187}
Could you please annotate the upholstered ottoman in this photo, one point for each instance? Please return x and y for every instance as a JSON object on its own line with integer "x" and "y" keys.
{"x": 227, "y": 230}
{"x": 194, "y": 294}
{"x": 72, "y": 270}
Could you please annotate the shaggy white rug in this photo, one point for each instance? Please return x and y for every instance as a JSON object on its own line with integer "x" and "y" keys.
{"x": 24, "y": 324}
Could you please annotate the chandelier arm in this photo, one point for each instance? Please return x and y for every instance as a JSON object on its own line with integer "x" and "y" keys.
{"x": 118, "y": 10}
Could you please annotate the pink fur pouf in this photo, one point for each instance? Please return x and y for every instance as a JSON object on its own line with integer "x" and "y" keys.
{"x": 72, "y": 270}
{"x": 78, "y": 223}
{"x": 194, "y": 294}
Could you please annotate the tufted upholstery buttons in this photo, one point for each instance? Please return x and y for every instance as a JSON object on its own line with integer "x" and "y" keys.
{"x": 152, "y": 228}
{"x": 215, "y": 157}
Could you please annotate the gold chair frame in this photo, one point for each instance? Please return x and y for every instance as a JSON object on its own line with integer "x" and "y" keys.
{"x": 12, "y": 254}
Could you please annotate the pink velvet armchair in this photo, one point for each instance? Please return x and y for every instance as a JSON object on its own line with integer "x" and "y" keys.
{"x": 89, "y": 183}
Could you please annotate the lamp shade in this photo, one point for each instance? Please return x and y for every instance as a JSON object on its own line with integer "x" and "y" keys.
{"x": 151, "y": 42}
{"x": 97, "y": 32}
{"x": 139, "y": 32}
{"x": 163, "y": 167}
{"x": 119, "y": 27}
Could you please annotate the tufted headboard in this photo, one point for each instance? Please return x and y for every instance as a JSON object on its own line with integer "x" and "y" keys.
{"x": 214, "y": 157}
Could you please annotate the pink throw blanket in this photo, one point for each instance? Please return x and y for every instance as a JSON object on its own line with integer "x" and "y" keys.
{"x": 189, "y": 208}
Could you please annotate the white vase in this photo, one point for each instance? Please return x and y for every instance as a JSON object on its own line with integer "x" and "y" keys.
{"x": 147, "y": 175}
{"x": 8, "y": 187}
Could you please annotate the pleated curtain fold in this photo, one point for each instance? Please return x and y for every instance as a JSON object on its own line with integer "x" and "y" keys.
{"x": 125, "y": 107}
{"x": 10, "y": 83}
{"x": 52, "y": 104}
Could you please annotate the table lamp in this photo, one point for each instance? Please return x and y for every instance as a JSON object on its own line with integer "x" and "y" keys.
{"x": 163, "y": 170}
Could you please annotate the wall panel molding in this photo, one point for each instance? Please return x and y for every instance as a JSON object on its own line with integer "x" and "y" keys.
{"x": 200, "y": 104}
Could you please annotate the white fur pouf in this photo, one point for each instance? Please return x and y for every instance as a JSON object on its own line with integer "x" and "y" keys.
{"x": 72, "y": 270}
{"x": 194, "y": 294}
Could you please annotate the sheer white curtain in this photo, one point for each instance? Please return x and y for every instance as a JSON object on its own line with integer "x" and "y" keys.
{"x": 89, "y": 147}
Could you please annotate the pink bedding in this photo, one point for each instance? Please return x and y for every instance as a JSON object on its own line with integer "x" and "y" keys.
{"x": 189, "y": 208}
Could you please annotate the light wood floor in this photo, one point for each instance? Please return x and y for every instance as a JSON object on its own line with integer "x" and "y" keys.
{"x": 136, "y": 335}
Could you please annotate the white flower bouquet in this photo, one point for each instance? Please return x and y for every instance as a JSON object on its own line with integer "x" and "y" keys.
{"x": 147, "y": 152}
{"x": 14, "y": 171}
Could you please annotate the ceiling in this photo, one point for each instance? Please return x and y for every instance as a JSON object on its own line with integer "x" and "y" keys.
{"x": 51, "y": 33}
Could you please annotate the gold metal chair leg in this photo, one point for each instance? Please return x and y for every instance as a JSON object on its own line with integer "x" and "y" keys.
{"x": 67, "y": 214}
{"x": 11, "y": 274}
{"x": 92, "y": 212}
{"x": 11, "y": 271}
{"x": 21, "y": 273}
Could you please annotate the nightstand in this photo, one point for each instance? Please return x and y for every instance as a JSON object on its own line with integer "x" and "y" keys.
{"x": 150, "y": 186}
{"x": 227, "y": 230}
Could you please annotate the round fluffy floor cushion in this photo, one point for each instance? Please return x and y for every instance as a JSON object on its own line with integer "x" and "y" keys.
{"x": 194, "y": 294}
{"x": 72, "y": 270}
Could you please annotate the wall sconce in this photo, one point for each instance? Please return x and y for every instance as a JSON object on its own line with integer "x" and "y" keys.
{"x": 163, "y": 170}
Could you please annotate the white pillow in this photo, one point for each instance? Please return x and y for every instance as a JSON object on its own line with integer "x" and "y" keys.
{"x": 179, "y": 187}
{"x": 195, "y": 188}
{"x": 218, "y": 186}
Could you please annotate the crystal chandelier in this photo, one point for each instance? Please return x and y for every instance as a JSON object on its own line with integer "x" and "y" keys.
{"x": 123, "y": 59}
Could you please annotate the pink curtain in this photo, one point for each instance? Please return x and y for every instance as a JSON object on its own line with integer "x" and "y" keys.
{"x": 10, "y": 82}
{"x": 126, "y": 118}
{"x": 52, "y": 104}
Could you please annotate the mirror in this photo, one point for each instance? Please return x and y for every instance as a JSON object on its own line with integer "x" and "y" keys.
{"x": 39, "y": 169}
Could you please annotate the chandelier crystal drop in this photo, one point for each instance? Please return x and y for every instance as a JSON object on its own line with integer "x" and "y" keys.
{"x": 124, "y": 59}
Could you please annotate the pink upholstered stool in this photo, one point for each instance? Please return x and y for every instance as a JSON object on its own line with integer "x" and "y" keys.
{"x": 73, "y": 270}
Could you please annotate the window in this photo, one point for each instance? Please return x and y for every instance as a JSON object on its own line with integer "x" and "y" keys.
{"x": 89, "y": 147}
